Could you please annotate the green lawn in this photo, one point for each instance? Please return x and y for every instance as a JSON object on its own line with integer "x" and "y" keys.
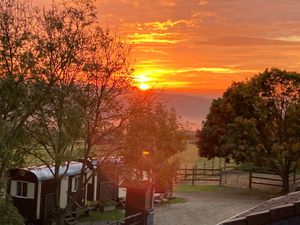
{"x": 199, "y": 188}
{"x": 104, "y": 216}
{"x": 176, "y": 200}
{"x": 260, "y": 193}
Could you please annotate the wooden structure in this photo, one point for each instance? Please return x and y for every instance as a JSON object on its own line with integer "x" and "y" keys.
{"x": 199, "y": 175}
{"x": 32, "y": 189}
{"x": 139, "y": 201}
{"x": 270, "y": 179}
{"x": 233, "y": 177}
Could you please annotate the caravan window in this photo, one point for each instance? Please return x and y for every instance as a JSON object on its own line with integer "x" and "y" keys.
{"x": 75, "y": 184}
{"x": 22, "y": 188}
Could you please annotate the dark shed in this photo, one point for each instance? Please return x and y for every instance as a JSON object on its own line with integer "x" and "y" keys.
{"x": 32, "y": 189}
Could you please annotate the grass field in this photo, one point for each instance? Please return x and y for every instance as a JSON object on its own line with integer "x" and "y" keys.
{"x": 175, "y": 200}
{"x": 104, "y": 216}
{"x": 199, "y": 188}
{"x": 261, "y": 193}
{"x": 189, "y": 156}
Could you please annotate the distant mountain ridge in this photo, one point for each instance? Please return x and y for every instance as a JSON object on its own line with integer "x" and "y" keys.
{"x": 191, "y": 108}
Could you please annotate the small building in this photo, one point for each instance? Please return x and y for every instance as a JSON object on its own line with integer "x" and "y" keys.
{"x": 32, "y": 190}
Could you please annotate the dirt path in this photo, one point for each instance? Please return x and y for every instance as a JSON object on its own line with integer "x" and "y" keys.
{"x": 205, "y": 208}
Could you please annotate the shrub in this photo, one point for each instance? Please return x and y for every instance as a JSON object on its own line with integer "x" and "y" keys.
{"x": 9, "y": 214}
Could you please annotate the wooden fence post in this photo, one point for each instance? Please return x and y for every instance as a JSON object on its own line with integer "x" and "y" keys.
{"x": 250, "y": 179}
{"x": 193, "y": 177}
{"x": 220, "y": 170}
{"x": 204, "y": 168}
{"x": 185, "y": 173}
{"x": 213, "y": 165}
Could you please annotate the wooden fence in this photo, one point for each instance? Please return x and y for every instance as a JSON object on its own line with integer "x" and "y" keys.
{"x": 271, "y": 179}
{"x": 198, "y": 175}
{"x": 235, "y": 178}
{"x": 232, "y": 177}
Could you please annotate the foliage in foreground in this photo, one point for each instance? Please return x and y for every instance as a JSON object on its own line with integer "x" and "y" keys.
{"x": 9, "y": 214}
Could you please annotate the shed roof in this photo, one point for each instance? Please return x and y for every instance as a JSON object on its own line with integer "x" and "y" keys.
{"x": 44, "y": 173}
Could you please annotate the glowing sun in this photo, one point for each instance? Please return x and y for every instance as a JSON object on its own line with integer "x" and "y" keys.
{"x": 144, "y": 86}
{"x": 142, "y": 82}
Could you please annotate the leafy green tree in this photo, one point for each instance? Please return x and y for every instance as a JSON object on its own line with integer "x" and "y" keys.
{"x": 63, "y": 79}
{"x": 18, "y": 76}
{"x": 55, "y": 126}
{"x": 257, "y": 121}
{"x": 153, "y": 136}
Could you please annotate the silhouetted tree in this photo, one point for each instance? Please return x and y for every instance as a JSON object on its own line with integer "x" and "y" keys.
{"x": 256, "y": 121}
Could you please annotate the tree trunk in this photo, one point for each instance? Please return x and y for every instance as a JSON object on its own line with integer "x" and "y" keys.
{"x": 285, "y": 182}
{"x": 3, "y": 179}
{"x": 60, "y": 217}
{"x": 2, "y": 176}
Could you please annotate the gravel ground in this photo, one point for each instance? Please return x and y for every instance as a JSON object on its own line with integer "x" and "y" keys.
{"x": 205, "y": 208}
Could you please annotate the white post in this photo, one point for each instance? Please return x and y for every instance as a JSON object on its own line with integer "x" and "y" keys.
{"x": 95, "y": 188}
{"x": 38, "y": 203}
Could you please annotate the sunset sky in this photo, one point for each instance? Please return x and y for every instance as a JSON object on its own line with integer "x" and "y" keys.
{"x": 199, "y": 47}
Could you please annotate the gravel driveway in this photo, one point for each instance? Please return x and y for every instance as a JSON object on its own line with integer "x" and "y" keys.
{"x": 208, "y": 208}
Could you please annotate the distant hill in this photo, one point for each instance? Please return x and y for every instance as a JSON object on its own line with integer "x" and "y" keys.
{"x": 191, "y": 108}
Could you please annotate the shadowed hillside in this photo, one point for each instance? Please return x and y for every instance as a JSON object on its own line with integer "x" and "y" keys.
{"x": 191, "y": 108}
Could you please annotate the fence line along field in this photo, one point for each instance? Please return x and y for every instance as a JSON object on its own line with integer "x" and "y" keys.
{"x": 218, "y": 171}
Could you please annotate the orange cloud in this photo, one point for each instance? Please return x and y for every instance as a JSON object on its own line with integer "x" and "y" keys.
{"x": 165, "y": 25}
{"x": 165, "y": 38}
{"x": 204, "y": 45}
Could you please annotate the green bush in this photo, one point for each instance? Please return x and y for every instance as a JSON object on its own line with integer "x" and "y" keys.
{"x": 107, "y": 203}
{"x": 9, "y": 214}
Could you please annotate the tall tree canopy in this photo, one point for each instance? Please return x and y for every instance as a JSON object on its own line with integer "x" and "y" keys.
{"x": 63, "y": 81}
{"x": 18, "y": 75}
{"x": 256, "y": 121}
{"x": 153, "y": 135}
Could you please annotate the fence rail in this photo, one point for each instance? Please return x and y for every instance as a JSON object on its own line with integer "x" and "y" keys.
{"x": 199, "y": 175}
{"x": 232, "y": 177}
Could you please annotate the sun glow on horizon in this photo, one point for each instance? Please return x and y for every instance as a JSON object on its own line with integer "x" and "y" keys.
{"x": 143, "y": 82}
{"x": 144, "y": 87}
